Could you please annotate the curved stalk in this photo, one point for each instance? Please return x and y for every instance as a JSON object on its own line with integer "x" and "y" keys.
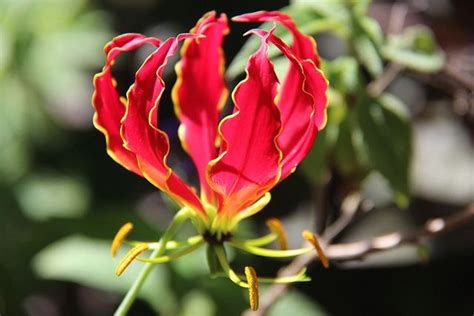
{"x": 170, "y": 245}
{"x": 221, "y": 256}
{"x": 132, "y": 293}
{"x": 299, "y": 277}
{"x": 261, "y": 241}
{"x": 174, "y": 255}
{"x": 273, "y": 253}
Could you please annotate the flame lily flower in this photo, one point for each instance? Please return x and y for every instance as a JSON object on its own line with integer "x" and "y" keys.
{"x": 238, "y": 160}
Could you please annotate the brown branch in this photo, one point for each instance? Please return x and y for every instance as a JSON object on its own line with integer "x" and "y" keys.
{"x": 376, "y": 87}
{"x": 458, "y": 76}
{"x": 359, "y": 250}
{"x": 349, "y": 208}
{"x": 397, "y": 18}
{"x": 320, "y": 208}
{"x": 398, "y": 14}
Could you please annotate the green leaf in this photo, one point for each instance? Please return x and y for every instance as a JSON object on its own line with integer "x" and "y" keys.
{"x": 415, "y": 48}
{"x": 394, "y": 104}
{"x": 315, "y": 165}
{"x": 324, "y": 8}
{"x": 295, "y": 303}
{"x": 367, "y": 37}
{"x": 350, "y": 154}
{"x": 360, "y": 7}
{"x": 6, "y": 50}
{"x": 342, "y": 73}
{"x": 368, "y": 54}
{"x": 372, "y": 28}
{"x": 387, "y": 136}
{"x": 87, "y": 261}
{"x": 198, "y": 303}
{"x": 188, "y": 267}
{"x": 43, "y": 196}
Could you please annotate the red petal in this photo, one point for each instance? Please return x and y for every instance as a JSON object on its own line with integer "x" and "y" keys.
{"x": 302, "y": 100}
{"x": 303, "y": 103}
{"x": 141, "y": 133}
{"x": 304, "y": 46}
{"x": 200, "y": 93}
{"x": 249, "y": 161}
{"x": 109, "y": 107}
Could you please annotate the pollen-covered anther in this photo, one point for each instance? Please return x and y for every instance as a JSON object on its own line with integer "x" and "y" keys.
{"x": 252, "y": 281}
{"x": 309, "y": 236}
{"x": 120, "y": 237}
{"x": 130, "y": 256}
{"x": 277, "y": 228}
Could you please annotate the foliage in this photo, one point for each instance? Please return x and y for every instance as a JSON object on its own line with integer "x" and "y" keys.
{"x": 48, "y": 51}
{"x": 365, "y": 131}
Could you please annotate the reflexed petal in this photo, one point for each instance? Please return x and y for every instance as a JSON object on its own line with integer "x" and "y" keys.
{"x": 141, "y": 133}
{"x": 126, "y": 43}
{"x": 109, "y": 107}
{"x": 304, "y": 46}
{"x": 200, "y": 93}
{"x": 302, "y": 102}
{"x": 249, "y": 160}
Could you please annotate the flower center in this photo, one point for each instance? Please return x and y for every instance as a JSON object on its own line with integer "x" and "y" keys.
{"x": 216, "y": 238}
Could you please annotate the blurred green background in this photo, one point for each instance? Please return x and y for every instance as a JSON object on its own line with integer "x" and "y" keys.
{"x": 62, "y": 198}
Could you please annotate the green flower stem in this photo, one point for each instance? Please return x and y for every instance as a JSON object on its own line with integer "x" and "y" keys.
{"x": 132, "y": 293}
{"x": 175, "y": 255}
{"x": 269, "y": 252}
{"x": 222, "y": 257}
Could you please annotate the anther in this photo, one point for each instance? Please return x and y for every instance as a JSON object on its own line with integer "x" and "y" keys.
{"x": 130, "y": 256}
{"x": 252, "y": 281}
{"x": 120, "y": 237}
{"x": 277, "y": 228}
{"x": 309, "y": 236}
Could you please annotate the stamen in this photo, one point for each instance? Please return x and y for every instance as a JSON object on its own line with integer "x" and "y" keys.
{"x": 221, "y": 256}
{"x": 276, "y": 227}
{"x": 309, "y": 236}
{"x": 299, "y": 277}
{"x": 260, "y": 241}
{"x": 265, "y": 252}
{"x": 130, "y": 256}
{"x": 252, "y": 280}
{"x": 120, "y": 237}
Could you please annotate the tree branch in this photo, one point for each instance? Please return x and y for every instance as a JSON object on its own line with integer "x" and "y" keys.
{"x": 458, "y": 76}
{"x": 349, "y": 209}
{"x": 376, "y": 87}
{"x": 359, "y": 250}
